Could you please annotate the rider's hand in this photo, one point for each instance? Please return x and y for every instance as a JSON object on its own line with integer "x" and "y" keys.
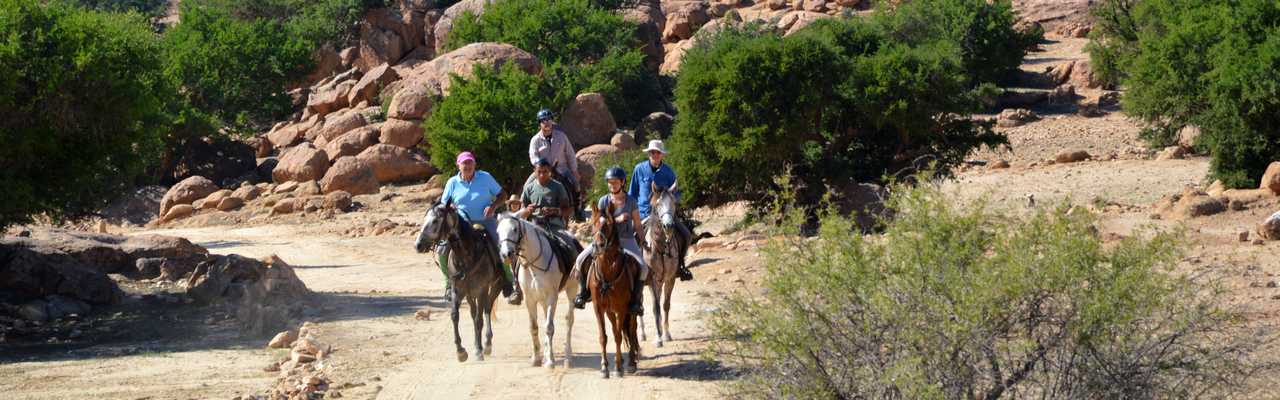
{"x": 488, "y": 211}
{"x": 529, "y": 209}
{"x": 621, "y": 218}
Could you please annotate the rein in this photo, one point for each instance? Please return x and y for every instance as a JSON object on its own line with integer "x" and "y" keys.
{"x": 542, "y": 244}
{"x": 606, "y": 284}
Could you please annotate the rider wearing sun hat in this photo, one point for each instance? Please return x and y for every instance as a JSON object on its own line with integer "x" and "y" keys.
{"x": 473, "y": 193}
{"x": 625, "y": 214}
{"x": 656, "y": 173}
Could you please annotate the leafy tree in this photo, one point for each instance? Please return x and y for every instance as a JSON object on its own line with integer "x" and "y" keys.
{"x": 1212, "y": 64}
{"x": 990, "y": 48}
{"x": 837, "y": 101}
{"x": 960, "y": 301}
{"x": 584, "y": 46}
{"x": 84, "y": 96}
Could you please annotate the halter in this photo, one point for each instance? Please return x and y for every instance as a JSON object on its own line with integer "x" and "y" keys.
{"x": 515, "y": 242}
{"x": 607, "y": 240}
{"x": 454, "y": 238}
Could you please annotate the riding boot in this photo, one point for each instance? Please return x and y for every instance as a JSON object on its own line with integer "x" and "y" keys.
{"x": 682, "y": 271}
{"x": 584, "y": 294}
{"x": 637, "y": 296}
{"x": 514, "y": 296}
{"x": 444, "y": 270}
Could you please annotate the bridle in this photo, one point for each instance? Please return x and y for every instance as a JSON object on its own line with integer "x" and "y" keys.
{"x": 521, "y": 232}
{"x": 607, "y": 241}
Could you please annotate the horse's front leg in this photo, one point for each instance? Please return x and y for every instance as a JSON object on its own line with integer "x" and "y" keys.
{"x": 658, "y": 327}
{"x": 568, "y": 334}
{"x": 477, "y": 324}
{"x": 532, "y": 307}
{"x": 617, "y": 321}
{"x": 457, "y": 338}
{"x": 550, "y": 316}
{"x": 604, "y": 338}
{"x": 667, "y": 288}
{"x": 487, "y": 315}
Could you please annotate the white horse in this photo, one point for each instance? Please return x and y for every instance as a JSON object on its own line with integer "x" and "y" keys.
{"x": 541, "y": 280}
{"x": 661, "y": 250}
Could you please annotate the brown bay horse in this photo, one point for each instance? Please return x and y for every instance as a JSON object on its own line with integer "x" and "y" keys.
{"x": 610, "y": 282}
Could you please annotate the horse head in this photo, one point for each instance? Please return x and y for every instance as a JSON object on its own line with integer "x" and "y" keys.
{"x": 510, "y": 235}
{"x": 662, "y": 203}
{"x": 435, "y": 225}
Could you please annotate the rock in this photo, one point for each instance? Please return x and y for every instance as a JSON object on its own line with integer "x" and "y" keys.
{"x": 262, "y": 293}
{"x": 285, "y": 206}
{"x": 1188, "y": 136}
{"x": 1271, "y": 178}
{"x": 650, "y": 22}
{"x": 369, "y": 85}
{"x": 378, "y": 46}
{"x": 411, "y": 102}
{"x": 1082, "y": 75}
{"x": 211, "y": 202}
{"x": 815, "y": 5}
{"x": 327, "y": 62}
{"x": 220, "y": 160}
{"x": 998, "y": 164}
{"x": 286, "y": 187}
{"x": 1071, "y": 156}
{"x": 656, "y": 125}
{"x": 178, "y": 212}
{"x": 185, "y": 192}
{"x": 1061, "y": 73}
{"x": 1016, "y": 117}
{"x": 247, "y": 193}
{"x": 283, "y": 340}
{"x": 353, "y": 142}
{"x": 291, "y": 134}
{"x": 261, "y": 146}
{"x": 684, "y": 21}
{"x": 587, "y": 121}
{"x": 301, "y": 163}
{"x": 1216, "y": 188}
{"x": 435, "y": 75}
{"x": 1243, "y": 236}
{"x": 352, "y": 175}
{"x": 394, "y": 164}
{"x": 673, "y": 57}
{"x": 34, "y": 268}
{"x": 1171, "y": 153}
{"x": 402, "y": 133}
{"x": 794, "y": 21}
{"x": 1063, "y": 94}
{"x": 328, "y": 99}
{"x": 1193, "y": 203}
{"x": 445, "y": 24}
{"x": 230, "y": 203}
{"x": 335, "y": 126}
{"x": 337, "y": 200}
{"x": 1269, "y": 229}
{"x": 594, "y": 154}
{"x": 623, "y": 141}
{"x": 308, "y": 188}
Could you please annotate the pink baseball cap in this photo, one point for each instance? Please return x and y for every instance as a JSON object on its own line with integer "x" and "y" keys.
{"x": 464, "y": 157}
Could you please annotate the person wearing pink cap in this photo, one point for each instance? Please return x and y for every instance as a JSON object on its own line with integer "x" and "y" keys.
{"x": 474, "y": 192}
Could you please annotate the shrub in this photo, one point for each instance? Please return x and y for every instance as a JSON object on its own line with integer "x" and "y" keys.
{"x": 959, "y": 301}
{"x": 83, "y": 95}
{"x": 489, "y": 115}
{"x": 626, "y": 159}
{"x": 585, "y": 47}
{"x": 839, "y": 100}
{"x": 232, "y": 69}
{"x": 1212, "y": 64}
{"x": 990, "y": 48}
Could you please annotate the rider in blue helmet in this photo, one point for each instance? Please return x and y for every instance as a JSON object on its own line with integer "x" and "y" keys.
{"x": 627, "y": 215}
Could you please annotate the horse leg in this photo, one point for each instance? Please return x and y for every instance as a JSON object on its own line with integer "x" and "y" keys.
{"x": 457, "y": 339}
{"x": 616, "y": 319}
{"x": 657, "y": 312}
{"x": 604, "y": 339}
{"x": 568, "y": 334}
{"x": 550, "y": 304}
{"x": 633, "y": 342}
{"x": 667, "y": 287}
{"x": 477, "y": 325}
{"x": 532, "y": 307}
{"x": 487, "y": 315}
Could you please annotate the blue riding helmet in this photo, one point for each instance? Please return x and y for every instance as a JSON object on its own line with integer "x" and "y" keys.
{"x": 544, "y": 114}
{"x": 615, "y": 173}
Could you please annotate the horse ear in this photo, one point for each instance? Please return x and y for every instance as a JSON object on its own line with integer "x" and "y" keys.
{"x": 673, "y": 186}
{"x": 653, "y": 188}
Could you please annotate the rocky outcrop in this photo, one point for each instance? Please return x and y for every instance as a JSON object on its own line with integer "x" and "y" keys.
{"x": 402, "y": 133}
{"x": 587, "y": 121}
{"x": 185, "y": 192}
{"x": 372, "y": 83}
{"x": 351, "y": 175}
{"x": 445, "y": 24}
{"x": 392, "y": 163}
{"x": 301, "y": 163}
{"x": 353, "y": 142}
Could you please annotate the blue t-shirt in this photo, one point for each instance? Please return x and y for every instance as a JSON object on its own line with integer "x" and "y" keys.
{"x": 642, "y": 176}
{"x": 472, "y": 197}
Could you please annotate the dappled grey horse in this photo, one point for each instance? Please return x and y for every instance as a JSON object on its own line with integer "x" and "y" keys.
{"x": 472, "y": 268}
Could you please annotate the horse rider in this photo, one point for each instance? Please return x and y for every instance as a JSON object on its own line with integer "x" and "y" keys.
{"x": 473, "y": 192}
{"x": 550, "y": 143}
{"x": 654, "y": 171}
{"x": 545, "y": 202}
{"x": 625, "y": 214}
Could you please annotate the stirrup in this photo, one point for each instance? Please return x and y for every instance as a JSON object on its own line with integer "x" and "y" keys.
{"x": 581, "y": 301}
{"x": 515, "y": 298}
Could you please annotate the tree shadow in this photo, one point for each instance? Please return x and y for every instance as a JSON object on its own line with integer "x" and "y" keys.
{"x": 697, "y": 369}
{"x": 703, "y": 261}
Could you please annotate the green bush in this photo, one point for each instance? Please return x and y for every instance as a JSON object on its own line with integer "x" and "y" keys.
{"x": 84, "y": 96}
{"x": 149, "y": 8}
{"x": 963, "y": 302}
{"x": 626, "y": 159}
{"x": 232, "y": 69}
{"x": 489, "y": 115}
{"x": 585, "y": 47}
{"x": 839, "y": 100}
{"x": 990, "y": 48}
{"x": 1212, "y": 64}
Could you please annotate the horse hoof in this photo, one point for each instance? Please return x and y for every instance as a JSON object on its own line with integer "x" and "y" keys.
{"x": 658, "y": 342}
{"x": 549, "y": 364}
{"x": 535, "y": 362}
{"x": 668, "y": 338}
{"x": 462, "y": 356}
{"x": 567, "y": 363}
{"x": 488, "y": 351}
{"x": 479, "y": 356}
{"x": 605, "y": 373}
{"x": 631, "y": 369}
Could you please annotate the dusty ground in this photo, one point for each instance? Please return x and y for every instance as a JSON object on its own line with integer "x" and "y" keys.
{"x": 370, "y": 286}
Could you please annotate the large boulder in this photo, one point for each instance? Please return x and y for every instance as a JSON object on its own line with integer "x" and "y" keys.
{"x": 263, "y": 293}
{"x": 28, "y": 273}
{"x": 291, "y": 134}
{"x": 338, "y": 200}
{"x": 684, "y": 21}
{"x": 178, "y": 212}
{"x": 1271, "y": 178}
{"x": 411, "y": 102}
{"x": 327, "y": 99}
{"x": 247, "y": 192}
{"x": 336, "y": 125}
{"x": 1269, "y": 228}
{"x": 440, "y": 31}
{"x": 187, "y": 191}
{"x": 587, "y": 121}
{"x": 650, "y": 22}
{"x": 592, "y": 155}
{"x": 300, "y": 163}
{"x": 220, "y": 160}
{"x": 673, "y": 57}
{"x": 327, "y": 63}
{"x": 369, "y": 85}
{"x": 392, "y": 163}
{"x": 378, "y": 46}
{"x": 656, "y": 125}
{"x": 353, "y": 142}
{"x": 1082, "y": 76}
{"x": 211, "y": 202}
{"x": 797, "y": 20}
{"x": 462, "y": 62}
{"x": 351, "y": 175}
{"x": 402, "y": 133}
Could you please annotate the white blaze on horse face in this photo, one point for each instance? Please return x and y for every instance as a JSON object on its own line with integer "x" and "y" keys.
{"x": 506, "y": 237}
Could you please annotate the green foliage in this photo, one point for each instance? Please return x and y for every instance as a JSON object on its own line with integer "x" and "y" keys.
{"x": 149, "y": 8}
{"x": 1214, "y": 64}
{"x": 837, "y": 101}
{"x": 489, "y": 115}
{"x": 990, "y": 47}
{"x": 83, "y": 95}
{"x": 961, "y": 302}
{"x": 234, "y": 70}
{"x": 335, "y": 21}
{"x": 626, "y": 159}
{"x": 584, "y": 46}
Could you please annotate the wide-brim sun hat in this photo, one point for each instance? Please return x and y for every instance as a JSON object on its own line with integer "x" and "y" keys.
{"x": 656, "y": 145}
